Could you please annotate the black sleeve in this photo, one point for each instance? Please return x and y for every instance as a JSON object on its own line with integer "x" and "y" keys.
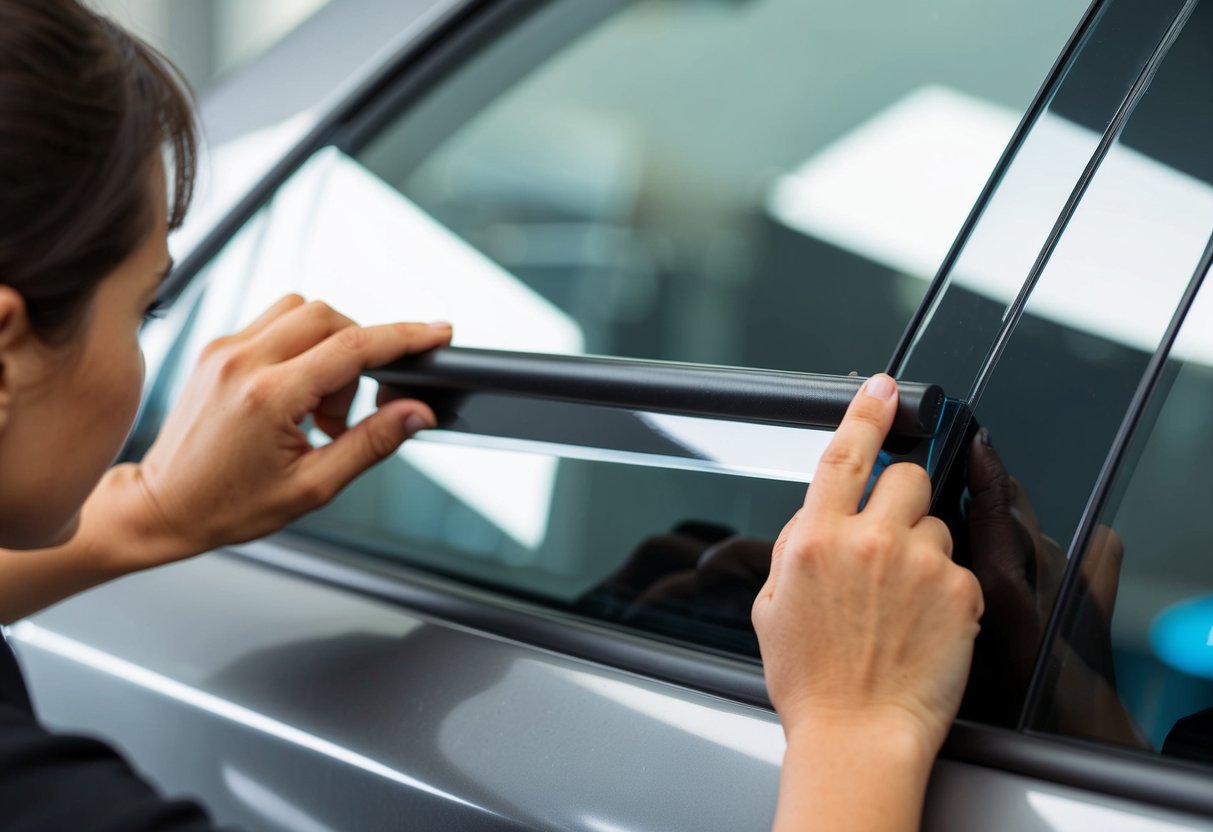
{"x": 53, "y": 783}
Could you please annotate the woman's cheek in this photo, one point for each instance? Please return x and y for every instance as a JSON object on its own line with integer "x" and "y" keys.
{"x": 133, "y": 388}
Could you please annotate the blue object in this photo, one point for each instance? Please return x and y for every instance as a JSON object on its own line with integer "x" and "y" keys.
{"x": 1182, "y": 637}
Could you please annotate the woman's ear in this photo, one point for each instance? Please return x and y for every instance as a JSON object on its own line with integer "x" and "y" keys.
{"x": 15, "y": 332}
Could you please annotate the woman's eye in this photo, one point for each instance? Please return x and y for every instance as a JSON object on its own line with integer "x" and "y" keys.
{"x": 154, "y": 310}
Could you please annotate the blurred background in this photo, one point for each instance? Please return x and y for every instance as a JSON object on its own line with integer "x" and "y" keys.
{"x": 208, "y": 39}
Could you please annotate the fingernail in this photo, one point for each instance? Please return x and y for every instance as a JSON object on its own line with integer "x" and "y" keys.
{"x": 439, "y": 325}
{"x": 879, "y": 387}
{"x": 983, "y": 436}
{"x": 415, "y": 423}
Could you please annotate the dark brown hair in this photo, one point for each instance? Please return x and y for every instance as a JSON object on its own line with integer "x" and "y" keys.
{"x": 85, "y": 109}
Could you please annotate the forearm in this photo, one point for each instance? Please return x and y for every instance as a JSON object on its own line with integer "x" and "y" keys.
{"x": 866, "y": 778}
{"x": 119, "y": 533}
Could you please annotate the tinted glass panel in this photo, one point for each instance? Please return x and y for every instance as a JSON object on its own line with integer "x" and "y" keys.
{"x": 1057, "y": 397}
{"x": 1134, "y": 662}
{"x": 1015, "y": 226}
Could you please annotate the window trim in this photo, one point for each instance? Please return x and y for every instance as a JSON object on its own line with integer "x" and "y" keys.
{"x": 1119, "y": 121}
{"x": 1162, "y": 782}
{"x": 529, "y": 622}
{"x": 992, "y": 348}
{"x": 1035, "y": 109}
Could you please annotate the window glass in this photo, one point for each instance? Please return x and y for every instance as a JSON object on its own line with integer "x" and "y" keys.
{"x": 1031, "y": 196}
{"x": 671, "y": 180}
{"x": 1134, "y": 662}
{"x": 768, "y": 183}
{"x": 1056, "y": 398}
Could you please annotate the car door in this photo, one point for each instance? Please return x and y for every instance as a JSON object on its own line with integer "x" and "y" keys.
{"x": 547, "y": 625}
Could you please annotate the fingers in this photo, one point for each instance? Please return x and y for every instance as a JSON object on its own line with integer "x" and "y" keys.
{"x": 298, "y": 330}
{"x": 936, "y": 533}
{"x": 370, "y": 441}
{"x": 845, "y": 467}
{"x": 279, "y": 308}
{"x": 339, "y": 359}
{"x": 333, "y": 412}
{"x": 902, "y": 495}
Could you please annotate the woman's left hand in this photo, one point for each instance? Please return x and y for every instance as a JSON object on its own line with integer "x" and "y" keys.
{"x": 232, "y": 462}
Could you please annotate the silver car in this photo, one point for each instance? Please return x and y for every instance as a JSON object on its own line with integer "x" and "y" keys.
{"x": 667, "y": 233}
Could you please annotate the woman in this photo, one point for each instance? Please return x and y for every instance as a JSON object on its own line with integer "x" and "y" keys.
{"x": 866, "y": 626}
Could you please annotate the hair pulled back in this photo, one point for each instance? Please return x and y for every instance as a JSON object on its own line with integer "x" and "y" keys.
{"x": 85, "y": 109}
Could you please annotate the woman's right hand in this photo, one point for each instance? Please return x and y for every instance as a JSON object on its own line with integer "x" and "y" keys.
{"x": 866, "y": 628}
{"x": 864, "y": 613}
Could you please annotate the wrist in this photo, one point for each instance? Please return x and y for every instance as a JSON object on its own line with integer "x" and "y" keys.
{"x": 854, "y": 769}
{"x": 127, "y": 527}
{"x": 891, "y": 733}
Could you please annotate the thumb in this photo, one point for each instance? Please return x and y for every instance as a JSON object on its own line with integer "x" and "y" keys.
{"x": 372, "y": 440}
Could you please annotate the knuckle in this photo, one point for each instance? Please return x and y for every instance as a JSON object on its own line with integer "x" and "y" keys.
{"x": 806, "y": 546}
{"x": 963, "y": 586}
{"x": 938, "y": 533}
{"x": 406, "y": 331}
{"x": 845, "y": 458}
{"x": 763, "y": 615}
{"x": 314, "y": 492}
{"x": 868, "y": 412}
{"x": 875, "y": 541}
{"x": 256, "y": 394}
{"x": 230, "y": 364}
{"x": 352, "y": 339}
{"x": 379, "y": 444}
{"x": 215, "y": 347}
{"x": 316, "y": 309}
{"x": 911, "y": 473}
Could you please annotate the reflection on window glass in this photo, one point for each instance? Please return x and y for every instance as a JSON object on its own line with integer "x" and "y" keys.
{"x": 1134, "y": 664}
{"x": 768, "y": 183}
{"x": 677, "y": 553}
{"x": 1017, "y": 222}
{"x": 1057, "y": 397}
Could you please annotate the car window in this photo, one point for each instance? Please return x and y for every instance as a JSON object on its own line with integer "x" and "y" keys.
{"x": 1030, "y": 202}
{"x": 1054, "y": 401}
{"x": 675, "y": 181}
{"x": 768, "y": 184}
{"x": 1133, "y": 662}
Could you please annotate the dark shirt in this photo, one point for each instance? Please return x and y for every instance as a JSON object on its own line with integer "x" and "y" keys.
{"x": 54, "y": 783}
